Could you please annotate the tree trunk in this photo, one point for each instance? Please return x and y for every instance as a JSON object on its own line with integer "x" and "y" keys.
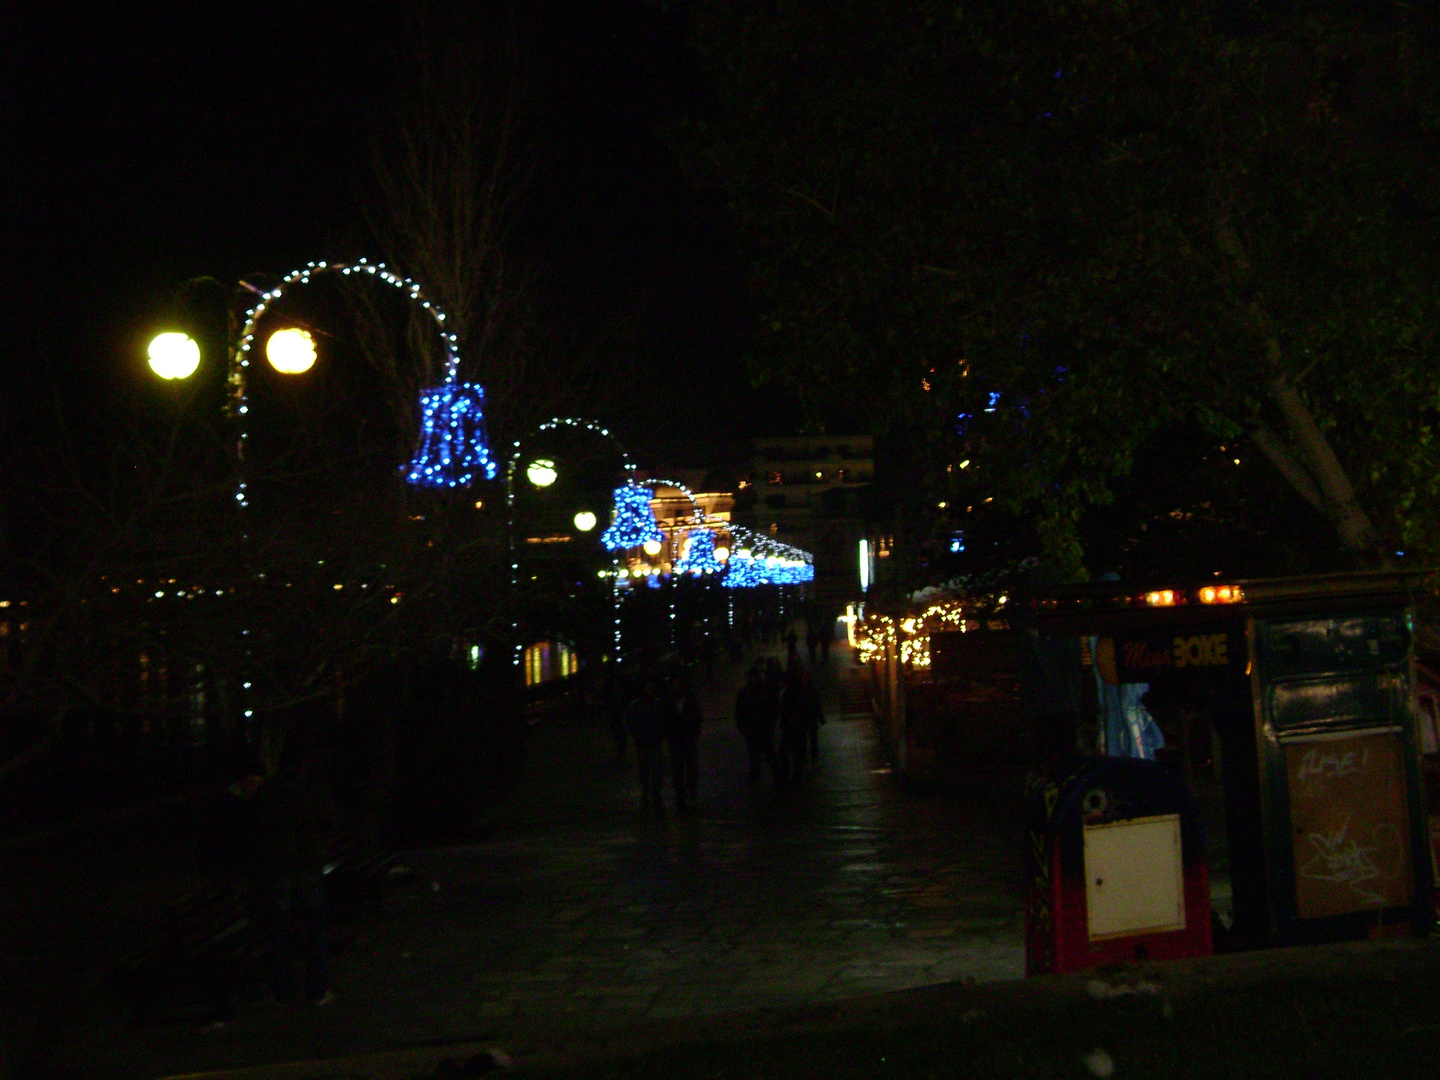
{"x": 1308, "y": 463}
{"x": 1352, "y": 524}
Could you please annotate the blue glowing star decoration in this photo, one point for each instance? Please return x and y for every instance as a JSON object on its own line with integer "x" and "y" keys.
{"x": 453, "y": 450}
{"x": 633, "y": 522}
{"x": 700, "y": 558}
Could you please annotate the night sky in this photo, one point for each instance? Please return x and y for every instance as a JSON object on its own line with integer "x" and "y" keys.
{"x": 148, "y": 144}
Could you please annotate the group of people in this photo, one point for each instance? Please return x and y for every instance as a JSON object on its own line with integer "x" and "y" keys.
{"x": 665, "y": 714}
{"x": 785, "y": 703}
{"x": 778, "y": 711}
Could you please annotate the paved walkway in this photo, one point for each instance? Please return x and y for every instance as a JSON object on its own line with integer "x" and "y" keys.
{"x": 580, "y": 913}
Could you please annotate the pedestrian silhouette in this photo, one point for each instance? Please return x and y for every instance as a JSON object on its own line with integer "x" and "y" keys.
{"x": 683, "y": 720}
{"x": 792, "y": 730}
{"x": 755, "y": 717}
{"x": 645, "y": 723}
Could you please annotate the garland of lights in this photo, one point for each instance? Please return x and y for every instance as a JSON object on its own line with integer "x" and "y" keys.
{"x": 695, "y": 511}
{"x": 759, "y": 560}
{"x": 877, "y": 632}
{"x": 453, "y": 447}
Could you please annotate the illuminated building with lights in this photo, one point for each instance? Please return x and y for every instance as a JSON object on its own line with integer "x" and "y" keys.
{"x": 805, "y": 490}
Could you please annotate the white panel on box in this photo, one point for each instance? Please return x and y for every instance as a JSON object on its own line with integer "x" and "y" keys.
{"x": 1134, "y": 879}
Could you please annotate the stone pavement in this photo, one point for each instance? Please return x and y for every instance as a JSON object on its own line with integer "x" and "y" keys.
{"x": 578, "y": 913}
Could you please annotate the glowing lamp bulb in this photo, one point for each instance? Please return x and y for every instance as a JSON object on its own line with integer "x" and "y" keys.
{"x": 1222, "y": 594}
{"x": 722, "y": 553}
{"x": 584, "y": 521}
{"x": 291, "y": 351}
{"x": 174, "y": 355}
{"x": 541, "y": 473}
{"x": 651, "y": 547}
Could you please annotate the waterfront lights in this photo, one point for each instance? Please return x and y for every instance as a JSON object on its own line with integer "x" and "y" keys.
{"x": 585, "y": 521}
{"x": 291, "y": 351}
{"x": 174, "y": 355}
{"x": 541, "y": 472}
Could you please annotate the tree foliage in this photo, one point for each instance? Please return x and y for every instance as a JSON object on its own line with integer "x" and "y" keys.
{"x": 1043, "y": 232}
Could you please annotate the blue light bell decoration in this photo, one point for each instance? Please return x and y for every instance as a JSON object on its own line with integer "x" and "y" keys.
{"x": 453, "y": 448}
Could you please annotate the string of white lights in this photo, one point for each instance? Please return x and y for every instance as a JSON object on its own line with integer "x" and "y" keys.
{"x": 240, "y": 354}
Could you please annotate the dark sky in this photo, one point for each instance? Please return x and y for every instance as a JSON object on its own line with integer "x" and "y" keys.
{"x": 146, "y": 144}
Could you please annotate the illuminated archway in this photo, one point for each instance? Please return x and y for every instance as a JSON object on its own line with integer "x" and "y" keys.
{"x": 453, "y": 449}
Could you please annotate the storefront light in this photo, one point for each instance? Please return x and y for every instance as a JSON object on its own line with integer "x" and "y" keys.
{"x": 1221, "y": 594}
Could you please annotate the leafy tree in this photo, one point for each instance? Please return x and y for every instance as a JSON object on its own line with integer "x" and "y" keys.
{"x": 1042, "y": 232}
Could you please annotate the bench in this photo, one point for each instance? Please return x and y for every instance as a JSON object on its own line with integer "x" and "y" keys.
{"x": 208, "y": 950}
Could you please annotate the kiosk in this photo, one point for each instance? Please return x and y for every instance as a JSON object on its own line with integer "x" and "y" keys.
{"x": 1306, "y": 686}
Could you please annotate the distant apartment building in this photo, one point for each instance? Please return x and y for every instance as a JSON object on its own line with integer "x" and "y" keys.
{"x": 805, "y": 490}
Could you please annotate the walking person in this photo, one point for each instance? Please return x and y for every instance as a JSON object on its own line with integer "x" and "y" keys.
{"x": 792, "y": 731}
{"x": 683, "y": 720}
{"x": 755, "y": 717}
{"x": 644, "y": 722}
{"x": 616, "y": 700}
{"x": 810, "y": 710}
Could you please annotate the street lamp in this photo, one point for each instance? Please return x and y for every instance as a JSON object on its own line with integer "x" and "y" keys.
{"x": 541, "y": 473}
{"x": 291, "y": 351}
{"x": 174, "y": 355}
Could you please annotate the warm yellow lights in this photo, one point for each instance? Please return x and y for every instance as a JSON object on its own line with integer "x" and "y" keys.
{"x": 651, "y": 547}
{"x": 291, "y": 351}
{"x": 174, "y": 355}
{"x": 722, "y": 553}
{"x": 1161, "y": 598}
{"x": 541, "y": 472}
{"x": 1222, "y": 594}
{"x": 584, "y": 521}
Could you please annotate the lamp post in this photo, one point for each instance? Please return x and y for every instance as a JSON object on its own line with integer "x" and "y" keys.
{"x": 452, "y": 451}
{"x": 542, "y": 473}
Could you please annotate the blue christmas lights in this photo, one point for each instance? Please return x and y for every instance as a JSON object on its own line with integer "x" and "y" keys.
{"x": 633, "y": 523}
{"x": 699, "y": 558}
{"x": 453, "y": 449}
{"x": 743, "y": 572}
{"x": 759, "y": 560}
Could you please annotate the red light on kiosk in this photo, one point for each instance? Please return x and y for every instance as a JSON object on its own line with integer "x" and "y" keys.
{"x": 1161, "y": 598}
{"x": 1221, "y": 594}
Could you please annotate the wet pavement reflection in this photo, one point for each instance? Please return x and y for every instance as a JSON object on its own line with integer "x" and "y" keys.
{"x": 581, "y": 907}
{"x": 575, "y": 911}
